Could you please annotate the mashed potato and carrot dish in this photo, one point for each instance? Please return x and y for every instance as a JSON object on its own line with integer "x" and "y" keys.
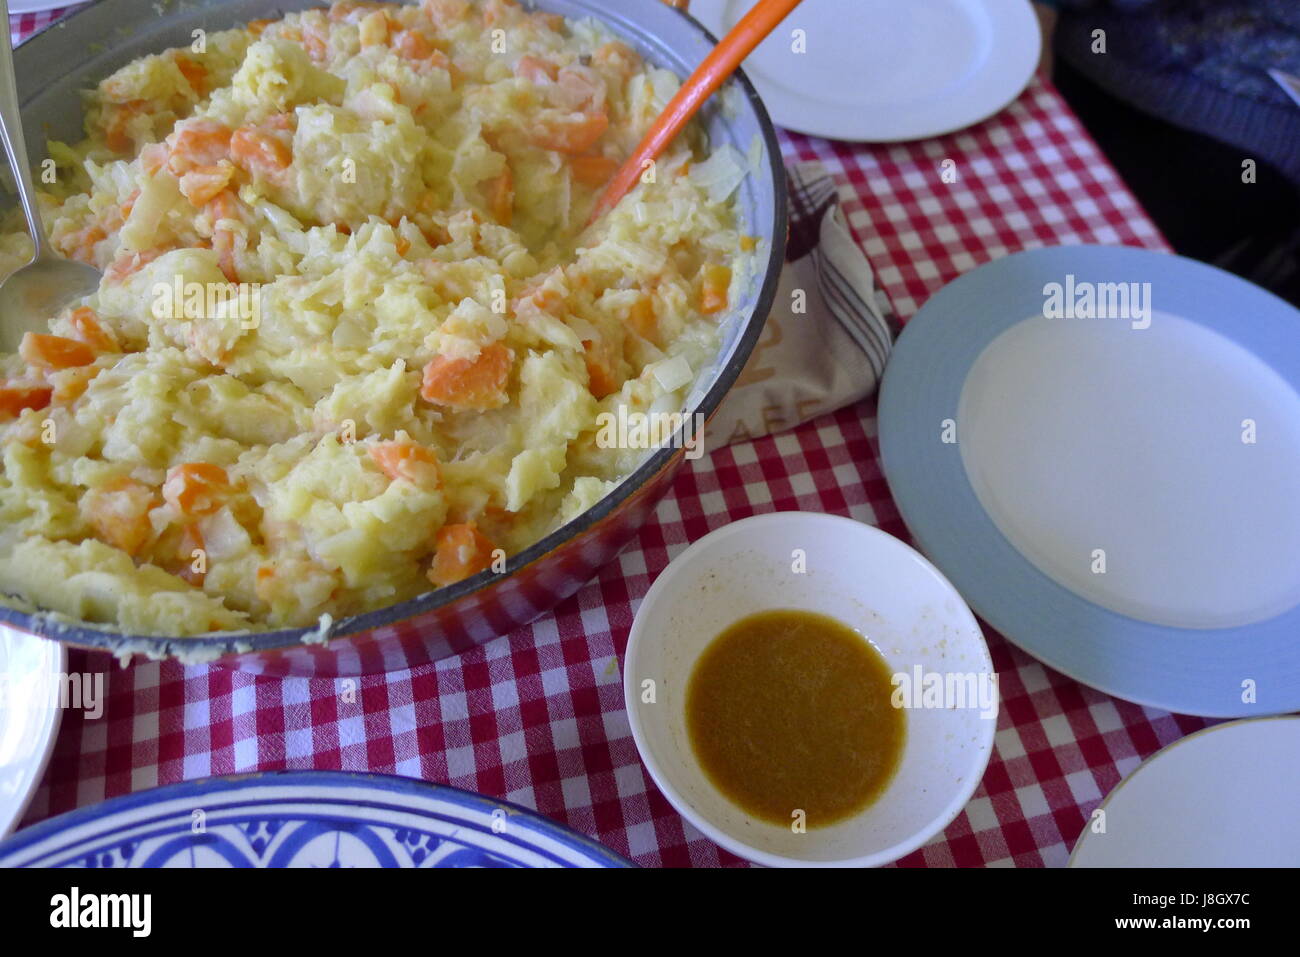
{"x": 353, "y": 335}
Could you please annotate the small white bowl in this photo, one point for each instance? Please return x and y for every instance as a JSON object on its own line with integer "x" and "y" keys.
{"x": 870, "y": 581}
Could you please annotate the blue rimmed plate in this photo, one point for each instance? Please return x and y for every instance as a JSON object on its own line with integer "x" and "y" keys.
{"x": 1100, "y": 447}
{"x": 303, "y": 819}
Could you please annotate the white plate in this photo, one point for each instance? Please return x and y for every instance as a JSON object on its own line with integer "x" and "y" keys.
{"x": 30, "y": 669}
{"x": 1222, "y": 797}
{"x": 884, "y": 70}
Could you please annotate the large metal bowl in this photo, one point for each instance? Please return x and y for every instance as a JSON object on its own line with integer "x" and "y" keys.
{"x": 55, "y": 66}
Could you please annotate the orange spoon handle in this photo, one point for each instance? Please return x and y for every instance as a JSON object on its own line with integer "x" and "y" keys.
{"x": 703, "y": 83}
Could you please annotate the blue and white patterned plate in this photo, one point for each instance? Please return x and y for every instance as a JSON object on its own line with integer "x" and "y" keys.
{"x": 303, "y": 819}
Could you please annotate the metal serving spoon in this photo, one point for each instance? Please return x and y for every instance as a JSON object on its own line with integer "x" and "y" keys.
{"x": 31, "y": 296}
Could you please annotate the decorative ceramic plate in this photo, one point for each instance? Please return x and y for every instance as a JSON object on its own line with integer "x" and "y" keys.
{"x": 303, "y": 819}
{"x": 1100, "y": 448}
{"x": 882, "y": 70}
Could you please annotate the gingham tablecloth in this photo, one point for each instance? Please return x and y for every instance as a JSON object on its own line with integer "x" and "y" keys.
{"x": 537, "y": 717}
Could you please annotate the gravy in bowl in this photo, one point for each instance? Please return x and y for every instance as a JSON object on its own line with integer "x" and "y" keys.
{"x": 789, "y": 714}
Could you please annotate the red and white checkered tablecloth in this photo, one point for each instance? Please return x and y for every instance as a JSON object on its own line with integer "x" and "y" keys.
{"x": 537, "y": 717}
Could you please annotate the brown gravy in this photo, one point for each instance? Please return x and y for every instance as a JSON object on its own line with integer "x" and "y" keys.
{"x": 790, "y": 711}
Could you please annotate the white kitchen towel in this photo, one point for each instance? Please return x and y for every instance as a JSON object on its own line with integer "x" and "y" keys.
{"x": 829, "y": 333}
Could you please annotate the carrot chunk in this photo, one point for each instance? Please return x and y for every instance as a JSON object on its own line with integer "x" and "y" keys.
{"x": 118, "y": 512}
{"x": 202, "y": 184}
{"x": 226, "y": 205}
{"x": 713, "y": 292}
{"x": 44, "y": 351}
{"x": 461, "y": 551}
{"x": 129, "y": 203}
{"x": 195, "y": 73}
{"x": 17, "y": 396}
{"x": 194, "y": 143}
{"x": 574, "y": 134}
{"x": 344, "y": 9}
{"x": 71, "y": 384}
{"x": 117, "y": 117}
{"x": 602, "y": 378}
{"x": 223, "y": 244}
{"x": 593, "y": 171}
{"x": 642, "y": 320}
{"x": 92, "y": 332}
{"x": 412, "y": 45}
{"x": 549, "y": 21}
{"x": 501, "y": 197}
{"x": 497, "y": 11}
{"x": 407, "y": 461}
{"x": 578, "y": 88}
{"x": 536, "y": 70}
{"x": 478, "y": 384}
{"x": 446, "y": 13}
{"x": 617, "y": 57}
{"x": 81, "y": 244}
{"x": 152, "y": 158}
{"x": 255, "y": 150}
{"x": 130, "y": 263}
{"x": 196, "y": 488}
{"x": 315, "y": 42}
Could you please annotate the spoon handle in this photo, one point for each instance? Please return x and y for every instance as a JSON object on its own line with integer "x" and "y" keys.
{"x": 11, "y": 131}
{"x": 761, "y": 20}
